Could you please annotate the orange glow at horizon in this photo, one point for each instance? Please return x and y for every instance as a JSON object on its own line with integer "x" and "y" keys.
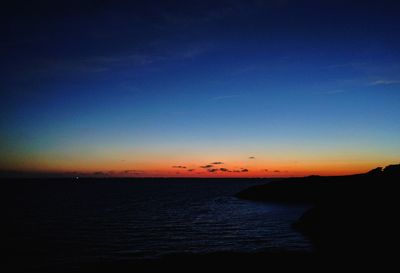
{"x": 249, "y": 168}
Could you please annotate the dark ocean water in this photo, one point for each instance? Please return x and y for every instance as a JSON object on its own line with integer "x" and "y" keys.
{"x": 65, "y": 223}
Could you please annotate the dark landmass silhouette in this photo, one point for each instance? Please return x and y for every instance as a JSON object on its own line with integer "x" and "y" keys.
{"x": 352, "y": 224}
{"x": 351, "y": 215}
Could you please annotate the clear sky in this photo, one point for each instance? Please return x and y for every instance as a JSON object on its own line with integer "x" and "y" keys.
{"x": 165, "y": 88}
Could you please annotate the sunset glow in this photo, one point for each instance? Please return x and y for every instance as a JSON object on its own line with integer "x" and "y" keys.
{"x": 138, "y": 89}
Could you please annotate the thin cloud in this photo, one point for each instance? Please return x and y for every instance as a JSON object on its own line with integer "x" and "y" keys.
{"x": 252, "y": 157}
{"x": 224, "y": 170}
{"x": 134, "y": 172}
{"x": 358, "y": 65}
{"x": 242, "y": 170}
{"x": 384, "y": 82}
{"x": 206, "y": 166}
{"x": 179, "y": 167}
{"x": 213, "y": 170}
{"x": 217, "y": 98}
{"x": 106, "y": 63}
{"x": 99, "y": 173}
{"x": 217, "y": 163}
{"x": 191, "y": 170}
{"x": 331, "y": 92}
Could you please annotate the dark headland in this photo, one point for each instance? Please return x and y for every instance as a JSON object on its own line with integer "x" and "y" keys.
{"x": 350, "y": 215}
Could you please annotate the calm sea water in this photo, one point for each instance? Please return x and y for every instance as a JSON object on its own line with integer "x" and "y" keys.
{"x": 64, "y": 222}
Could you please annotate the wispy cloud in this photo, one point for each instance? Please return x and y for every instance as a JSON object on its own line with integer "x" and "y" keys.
{"x": 384, "y": 82}
{"x": 218, "y": 98}
{"x": 99, "y": 173}
{"x": 347, "y": 65}
{"x": 179, "y": 167}
{"x": 331, "y": 92}
{"x": 217, "y": 163}
{"x": 242, "y": 170}
{"x": 132, "y": 172}
{"x": 112, "y": 61}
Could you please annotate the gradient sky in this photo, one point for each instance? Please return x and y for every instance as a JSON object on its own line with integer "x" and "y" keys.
{"x": 161, "y": 88}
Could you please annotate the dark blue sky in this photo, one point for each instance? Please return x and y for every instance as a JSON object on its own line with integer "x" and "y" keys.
{"x": 308, "y": 86}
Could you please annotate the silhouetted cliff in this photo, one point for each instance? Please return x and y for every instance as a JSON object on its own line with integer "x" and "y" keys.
{"x": 351, "y": 213}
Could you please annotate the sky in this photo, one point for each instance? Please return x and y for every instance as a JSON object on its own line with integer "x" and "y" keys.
{"x": 199, "y": 88}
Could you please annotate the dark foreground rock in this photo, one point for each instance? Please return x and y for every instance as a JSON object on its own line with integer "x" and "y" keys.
{"x": 351, "y": 214}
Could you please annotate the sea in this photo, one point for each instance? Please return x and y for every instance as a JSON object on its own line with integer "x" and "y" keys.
{"x": 66, "y": 222}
